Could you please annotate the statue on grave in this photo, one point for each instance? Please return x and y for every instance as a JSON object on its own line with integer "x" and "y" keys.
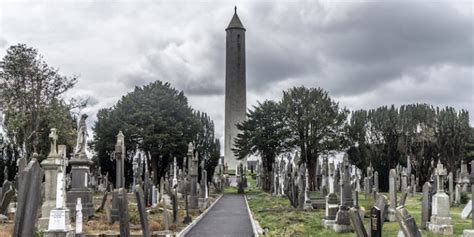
{"x": 81, "y": 135}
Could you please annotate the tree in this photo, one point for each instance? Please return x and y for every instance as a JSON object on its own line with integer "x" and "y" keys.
{"x": 316, "y": 122}
{"x": 263, "y": 133}
{"x": 157, "y": 118}
{"x": 31, "y": 92}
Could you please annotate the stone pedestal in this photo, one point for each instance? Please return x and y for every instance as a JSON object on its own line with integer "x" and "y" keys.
{"x": 50, "y": 169}
{"x": 79, "y": 186}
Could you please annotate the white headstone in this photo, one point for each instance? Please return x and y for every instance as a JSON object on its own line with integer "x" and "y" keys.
{"x": 60, "y": 190}
{"x": 57, "y": 220}
{"x": 78, "y": 216}
{"x": 467, "y": 210}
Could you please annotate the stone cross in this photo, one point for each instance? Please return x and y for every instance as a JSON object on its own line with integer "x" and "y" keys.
{"x": 440, "y": 173}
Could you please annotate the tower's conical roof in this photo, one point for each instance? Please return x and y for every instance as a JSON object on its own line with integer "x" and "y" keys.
{"x": 235, "y": 23}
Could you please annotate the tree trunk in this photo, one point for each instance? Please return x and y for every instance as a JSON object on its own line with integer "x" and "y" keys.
{"x": 312, "y": 176}
{"x": 267, "y": 174}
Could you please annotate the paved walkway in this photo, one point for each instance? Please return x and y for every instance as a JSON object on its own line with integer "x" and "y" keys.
{"x": 228, "y": 217}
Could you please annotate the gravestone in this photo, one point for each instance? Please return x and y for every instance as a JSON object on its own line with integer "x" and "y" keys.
{"x": 457, "y": 194}
{"x": 466, "y": 211}
{"x": 404, "y": 180}
{"x": 412, "y": 186}
{"x": 193, "y": 172}
{"x": 366, "y": 187}
{"x": 29, "y": 198}
{"x": 58, "y": 223}
{"x": 375, "y": 222}
{"x": 426, "y": 206}
{"x": 440, "y": 222}
{"x": 382, "y": 204}
{"x": 142, "y": 210}
{"x": 332, "y": 206}
{"x": 470, "y": 232}
{"x": 403, "y": 197}
{"x": 174, "y": 200}
{"x": 79, "y": 217}
{"x": 124, "y": 217}
{"x": 407, "y": 223}
{"x": 80, "y": 172}
{"x": 392, "y": 194}
{"x": 166, "y": 216}
{"x": 376, "y": 182}
{"x": 7, "y": 198}
{"x": 357, "y": 222}
{"x": 50, "y": 168}
{"x": 451, "y": 187}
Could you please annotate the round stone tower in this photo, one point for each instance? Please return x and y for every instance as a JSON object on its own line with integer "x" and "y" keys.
{"x": 235, "y": 86}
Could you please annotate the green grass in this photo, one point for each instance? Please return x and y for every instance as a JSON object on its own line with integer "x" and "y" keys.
{"x": 280, "y": 219}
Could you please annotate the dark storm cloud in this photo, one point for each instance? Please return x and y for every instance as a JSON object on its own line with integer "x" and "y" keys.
{"x": 366, "y": 54}
{"x": 370, "y": 44}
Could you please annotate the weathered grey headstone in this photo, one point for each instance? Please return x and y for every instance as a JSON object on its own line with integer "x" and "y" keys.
{"x": 426, "y": 206}
{"x": 376, "y": 182}
{"x": 407, "y": 223}
{"x": 412, "y": 190}
{"x": 142, "y": 210}
{"x": 392, "y": 194}
{"x": 7, "y": 198}
{"x": 366, "y": 187}
{"x": 403, "y": 197}
{"x": 382, "y": 205}
{"x": 332, "y": 206}
{"x": 404, "y": 180}
{"x": 29, "y": 198}
{"x": 451, "y": 187}
{"x": 124, "y": 217}
{"x": 194, "y": 204}
{"x": 457, "y": 194}
{"x": 357, "y": 222}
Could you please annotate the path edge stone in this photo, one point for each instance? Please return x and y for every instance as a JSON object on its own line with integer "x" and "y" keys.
{"x": 257, "y": 230}
{"x": 184, "y": 231}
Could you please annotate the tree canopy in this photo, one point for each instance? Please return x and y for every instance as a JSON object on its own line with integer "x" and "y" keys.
{"x": 157, "y": 119}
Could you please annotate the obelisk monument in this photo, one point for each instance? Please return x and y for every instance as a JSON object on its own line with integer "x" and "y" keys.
{"x": 235, "y": 86}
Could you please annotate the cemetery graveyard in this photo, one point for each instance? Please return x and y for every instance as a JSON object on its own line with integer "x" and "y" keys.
{"x": 139, "y": 153}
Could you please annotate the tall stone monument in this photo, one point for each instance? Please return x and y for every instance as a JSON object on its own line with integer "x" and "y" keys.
{"x": 235, "y": 86}
{"x": 440, "y": 221}
{"x": 119, "y": 161}
{"x": 50, "y": 169}
{"x": 80, "y": 172}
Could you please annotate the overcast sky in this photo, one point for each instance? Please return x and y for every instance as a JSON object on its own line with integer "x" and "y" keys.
{"x": 366, "y": 54}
